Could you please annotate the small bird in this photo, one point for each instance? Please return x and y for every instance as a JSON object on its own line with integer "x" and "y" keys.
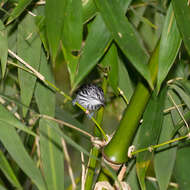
{"x": 90, "y": 96}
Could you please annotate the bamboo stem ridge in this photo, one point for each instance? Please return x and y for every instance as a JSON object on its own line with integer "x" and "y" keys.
{"x": 117, "y": 148}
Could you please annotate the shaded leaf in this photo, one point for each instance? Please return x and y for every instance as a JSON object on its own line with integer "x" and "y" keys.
{"x": 110, "y": 62}
{"x": 125, "y": 83}
{"x": 54, "y": 14}
{"x": 7, "y": 117}
{"x": 169, "y": 46}
{"x": 50, "y": 140}
{"x": 125, "y": 36}
{"x": 92, "y": 51}
{"x": 182, "y": 167}
{"x": 149, "y": 134}
{"x": 182, "y": 15}
{"x": 52, "y": 155}
{"x": 22, "y": 4}
{"x": 28, "y": 48}
{"x": 8, "y": 171}
{"x": 3, "y": 47}
{"x": 14, "y": 146}
{"x": 164, "y": 159}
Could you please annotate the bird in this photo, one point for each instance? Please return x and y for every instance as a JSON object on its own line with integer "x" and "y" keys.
{"x": 90, "y": 96}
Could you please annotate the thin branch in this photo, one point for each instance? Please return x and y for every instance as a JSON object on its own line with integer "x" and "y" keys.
{"x": 67, "y": 124}
{"x": 68, "y": 160}
{"x": 178, "y": 110}
{"x": 83, "y": 172}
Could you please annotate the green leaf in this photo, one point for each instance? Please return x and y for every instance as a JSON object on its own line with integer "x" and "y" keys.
{"x": 22, "y": 4}
{"x": 28, "y": 48}
{"x": 14, "y": 146}
{"x": 169, "y": 46}
{"x": 8, "y": 172}
{"x": 54, "y": 12}
{"x": 88, "y": 10}
{"x": 164, "y": 159}
{"x": 72, "y": 26}
{"x": 185, "y": 97}
{"x": 40, "y": 23}
{"x": 182, "y": 167}
{"x": 92, "y": 52}
{"x": 182, "y": 15}
{"x": 110, "y": 62}
{"x": 149, "y": 134}
{"x": 125, "y": 36}
{"x": 50, "y": 139}
{"x": 125, "y": 83}
{"x": 3, "y": 48}
{"x": 7, "y": 117}
{"x": 71, "y": 64}
{"x": 52, "y": 155}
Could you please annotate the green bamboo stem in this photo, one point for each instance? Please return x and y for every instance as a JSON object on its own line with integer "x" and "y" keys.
{"x": 95, "y": 150}
{"x": 116, "y": 150}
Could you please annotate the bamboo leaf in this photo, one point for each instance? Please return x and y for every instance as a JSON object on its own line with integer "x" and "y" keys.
{"x": 149, "y": 134}
{"x": 28, "y": 48}
{"x": 92, "y": 52}
{"x": 185, "y": 97}
{"x": 8, "y": 172}
{"x": 22, "y": 4}
{"x": 125, "y": 36}
{"x": 169, "y": 46}
{"x": 88, "y": 10}
{"x": 182, "y": 15}
{"x": 164, "y": 159}
{"x": 3, "y": 47}
{"x": 14, "y": 146}
{"x": 54, "y": 14}
{"x": 182, "y": 168}
{"x": 125, "y": 83}
{"x": 52, "y": 155}
{"x": 72, "y": 26}
{"x": 7, "y": 117}
{"x": 110, "y": 62}
{"x": 50, "y": 139}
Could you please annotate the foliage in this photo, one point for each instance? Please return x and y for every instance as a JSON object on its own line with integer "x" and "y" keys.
{"x": 137, "y": 51}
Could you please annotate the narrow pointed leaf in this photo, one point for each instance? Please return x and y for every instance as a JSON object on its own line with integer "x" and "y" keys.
{"x": 28, "y": 48}
{"x": 125, "y": 36}
{"x": 92, "y": 52}
{"x": 8, "y": 171}
{"x": 182, "y": 167}
{"x": 169, "y": 46}
{"x": 125, "y": 83}
{"x": 22, "y": 4}
{"x": 50, "y": 140}
{"x": 149, "y": 134}
{"x": 182, "y": 15}
{"x": 7, "y": 117}
{"x": 72, "y": 25}
{"x": 164, "y": 159}
{"x": 3, "y": 47}
{"x": 54, "y": 12}
{"x": 16, "y": 149}
{"x": 110, "y": 62}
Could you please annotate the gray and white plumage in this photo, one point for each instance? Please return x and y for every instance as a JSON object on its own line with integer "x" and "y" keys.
{"x": 90, "y": 97}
